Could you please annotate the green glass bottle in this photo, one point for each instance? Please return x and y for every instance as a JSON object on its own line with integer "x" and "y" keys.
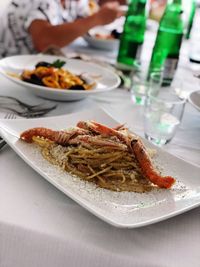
{"x": 191, "y": 19}
{"x": 166, "y": 49}
{"x": 133, "y": 34}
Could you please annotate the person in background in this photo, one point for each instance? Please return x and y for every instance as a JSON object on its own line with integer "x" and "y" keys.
{"x": 30, "y": 26}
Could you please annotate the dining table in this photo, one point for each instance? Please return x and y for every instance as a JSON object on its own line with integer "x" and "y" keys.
{"x": 41, "y": 226}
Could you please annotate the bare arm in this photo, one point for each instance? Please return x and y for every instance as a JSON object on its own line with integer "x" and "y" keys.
{"x": 44, "y": 34}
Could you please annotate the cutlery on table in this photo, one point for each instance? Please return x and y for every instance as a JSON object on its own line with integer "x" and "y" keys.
{"x": 28, "y": 113}
{"x": 12, "y": 103}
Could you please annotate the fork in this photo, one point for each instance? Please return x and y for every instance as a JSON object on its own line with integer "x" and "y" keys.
{"x": 26, "y": 105}
{"x": 27, "y": 113}
{"x": 24, "y": 109}
{"x": 10, "y": 116}
{"x": 23, "y": 104}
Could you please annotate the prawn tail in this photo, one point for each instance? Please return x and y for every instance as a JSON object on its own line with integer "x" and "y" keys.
{"x": 162, "y": 182}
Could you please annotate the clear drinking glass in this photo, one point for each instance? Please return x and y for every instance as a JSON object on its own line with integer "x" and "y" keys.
{"x": 141, "y": 82}
{"x": 163, "y": 113}
{"x": 156, "y": 82}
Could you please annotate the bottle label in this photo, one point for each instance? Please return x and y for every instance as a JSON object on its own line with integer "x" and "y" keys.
{"x": 170, "y": 68}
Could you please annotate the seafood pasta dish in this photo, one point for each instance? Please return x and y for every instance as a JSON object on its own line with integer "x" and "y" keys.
{"x": 54, "y": 76}
{"x": 112, "y": 158}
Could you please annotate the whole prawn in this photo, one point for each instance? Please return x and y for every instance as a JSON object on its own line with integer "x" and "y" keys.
{"x": 59, "y": 137}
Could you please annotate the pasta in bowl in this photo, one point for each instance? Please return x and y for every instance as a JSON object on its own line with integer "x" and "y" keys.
{"x": 78, "y": 77}
{"x": 54, "y": 76}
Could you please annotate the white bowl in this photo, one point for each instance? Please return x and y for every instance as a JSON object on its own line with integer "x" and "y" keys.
{"x": 105, "y": 79}
{"x": 101, "y": 43}
{"x": 194, "y": 99}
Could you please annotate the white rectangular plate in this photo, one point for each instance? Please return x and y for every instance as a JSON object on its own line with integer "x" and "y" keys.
{"x": 121, "y": 209}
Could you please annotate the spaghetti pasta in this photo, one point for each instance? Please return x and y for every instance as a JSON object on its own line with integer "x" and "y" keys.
{"x": 107, "y": 168}
{"x": 112, "y": 158}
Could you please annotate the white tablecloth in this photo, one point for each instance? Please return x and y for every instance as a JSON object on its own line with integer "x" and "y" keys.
{"x": 40, "y": 226}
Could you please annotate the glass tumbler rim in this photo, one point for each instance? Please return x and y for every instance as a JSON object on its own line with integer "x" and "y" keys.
{"x": 157, "y": 99}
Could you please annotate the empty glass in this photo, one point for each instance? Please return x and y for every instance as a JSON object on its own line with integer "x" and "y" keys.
{"x": 163, "y": 113}
{"x": 141, "y": 82}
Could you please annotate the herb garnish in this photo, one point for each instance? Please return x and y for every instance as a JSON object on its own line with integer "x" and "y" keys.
{"x": 58, "y": 64}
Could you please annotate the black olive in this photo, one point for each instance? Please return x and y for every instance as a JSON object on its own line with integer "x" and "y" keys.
{"x": 43, "y": 64}
{"x": 34, "y": 79}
